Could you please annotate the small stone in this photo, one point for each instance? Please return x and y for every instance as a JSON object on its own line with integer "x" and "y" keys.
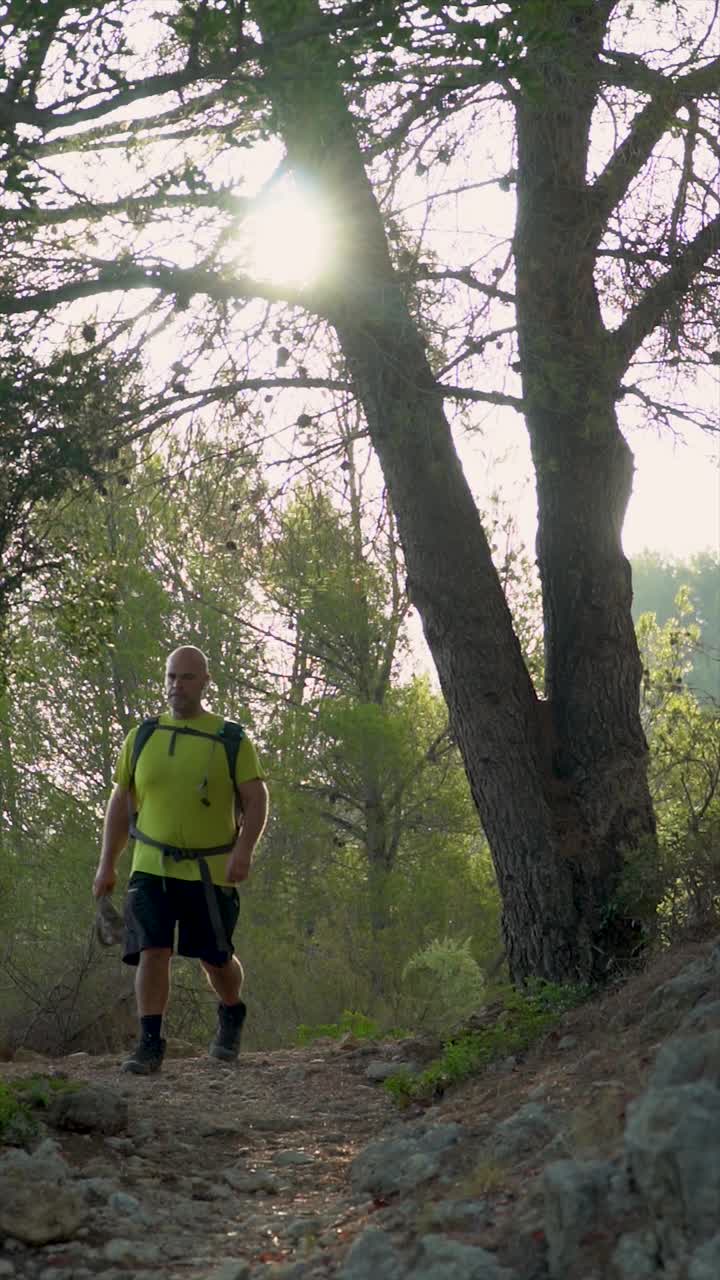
{"x": 143, "y": 1131}
{"x": 121, "y": 1202}
{"x": 372, "y": 1254}
{"x": 460, "y": 1215}
{"x": 301, "y": 1227}
{"x": 445, "y": 1259}
{"x": 210, "y": 1129}
{"x": 37, "y": 1203}
{"x": 95, "y": 1190}
{"x": 379, "y": 1070}
{"x": 231, "y": 1269}
{"x": 251, "y": 1180}
{"x": 705, "y": 1262}
{"x": 130, "y": 1251}
{"x": 120, "y": 1144}
{"x": 293, "y": 1157}
{"x": 91, "y": 1109}
{"x": 21, "y": 1054}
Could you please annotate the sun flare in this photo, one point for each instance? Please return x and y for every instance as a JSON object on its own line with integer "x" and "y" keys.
{"x": 290, "y": 237}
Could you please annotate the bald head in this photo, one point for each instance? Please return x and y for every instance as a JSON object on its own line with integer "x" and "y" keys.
{"x": 186, "y": 675}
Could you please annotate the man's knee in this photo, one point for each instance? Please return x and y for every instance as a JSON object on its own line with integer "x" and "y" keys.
{"x": 155, "y": 957}
{"x": 230, "y": 964}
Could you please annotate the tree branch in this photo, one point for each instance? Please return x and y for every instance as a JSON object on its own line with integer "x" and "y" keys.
{"x": 465, "y": 276}
{"x": 483, "y": 397}
{"x": 47, "y": 119}
{"x": 648, "y": 312}
{"x": 93, "y": 211}
{"x": 183, "y": 282}
{"x": 646, "y": 129}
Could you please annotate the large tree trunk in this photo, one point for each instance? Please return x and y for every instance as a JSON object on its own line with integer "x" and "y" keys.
{"x": 583, "y": 466}
{"x": 557, "y": 859}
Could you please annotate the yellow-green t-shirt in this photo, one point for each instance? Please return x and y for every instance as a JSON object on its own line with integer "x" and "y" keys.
{"x": 174, "y": 774}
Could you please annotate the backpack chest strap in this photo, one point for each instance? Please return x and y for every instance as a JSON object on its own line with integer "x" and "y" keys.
{"x": 174, "y": 851}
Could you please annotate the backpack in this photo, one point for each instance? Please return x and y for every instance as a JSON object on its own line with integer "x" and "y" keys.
{"x": 231, "y": 735}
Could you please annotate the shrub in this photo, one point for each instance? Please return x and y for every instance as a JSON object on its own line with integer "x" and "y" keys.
{"x": 19, "y": 1099}
{"x": 442, "y": 984}
{"x": 16, "y": 1120}
{"x": 526, "y": 1016}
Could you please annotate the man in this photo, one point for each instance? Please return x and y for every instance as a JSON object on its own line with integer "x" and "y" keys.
{"x": 176, "y": 799}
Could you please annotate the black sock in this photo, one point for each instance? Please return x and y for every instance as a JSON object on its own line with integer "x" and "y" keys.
{"x": 235, "y": 1011}
{"x": 150, "y": 1026}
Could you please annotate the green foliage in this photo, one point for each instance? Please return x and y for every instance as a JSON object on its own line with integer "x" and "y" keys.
{"x": 351, "y": 777}
{"x": 51, "y": 442}
{"x": 684, "y": 738}
{"x": 525, "y": 1017}
{"x": 442, "y": 983}
{"x": 351, "y": 1023}
{"x": 656, "y": 583}
{"x": 16, "y": 1119}
{"x": 19, "y": 1099}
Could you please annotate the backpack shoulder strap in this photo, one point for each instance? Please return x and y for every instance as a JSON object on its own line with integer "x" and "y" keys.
{"x": 231, "y": 735}
{"x": 145, "y": 730}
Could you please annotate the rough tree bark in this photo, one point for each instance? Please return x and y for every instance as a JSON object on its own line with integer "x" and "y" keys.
{"x": 558, "y": 828}
{"x": 583, "y": 470}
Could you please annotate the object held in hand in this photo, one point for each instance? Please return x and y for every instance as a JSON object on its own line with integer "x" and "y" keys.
{"x": 108, "y": 922}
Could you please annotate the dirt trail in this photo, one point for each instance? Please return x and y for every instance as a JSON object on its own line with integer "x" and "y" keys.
{"x": 242, "y": 1172}
{"x": 287, "y": 1124}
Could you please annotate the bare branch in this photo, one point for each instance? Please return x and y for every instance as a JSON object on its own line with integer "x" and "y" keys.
{"x": 48, "y": 119}
{"x": 132, "y": 207}
{"x": 647, "y": 128}
{"x": 484, "y": 397}
{"x": 649, "y": 311}
{"x": 182, "y": 282}
{"x": 465, "y": 276}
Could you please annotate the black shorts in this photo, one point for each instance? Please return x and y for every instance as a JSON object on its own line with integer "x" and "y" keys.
{"x": 155, "y": 904}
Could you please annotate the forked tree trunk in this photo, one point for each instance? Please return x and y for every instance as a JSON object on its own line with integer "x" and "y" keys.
{"x": 558, "y": 824}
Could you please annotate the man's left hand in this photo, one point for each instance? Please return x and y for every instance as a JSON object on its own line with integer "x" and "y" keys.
{"x": 237, "y": 867}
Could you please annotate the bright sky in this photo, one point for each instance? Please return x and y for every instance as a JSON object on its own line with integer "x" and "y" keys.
{"x": 675, "y": 506}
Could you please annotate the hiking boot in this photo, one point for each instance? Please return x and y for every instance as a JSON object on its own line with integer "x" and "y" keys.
{"x": 226, "y": 1044}
{"x": 146, "y": 1058}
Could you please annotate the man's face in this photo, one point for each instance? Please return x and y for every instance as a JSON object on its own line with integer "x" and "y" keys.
{"x": 185, "y": 680}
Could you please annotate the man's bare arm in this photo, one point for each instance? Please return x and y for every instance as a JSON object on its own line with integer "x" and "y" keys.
{"x": 114, "y": 840}
{"x": 253, "y": 802}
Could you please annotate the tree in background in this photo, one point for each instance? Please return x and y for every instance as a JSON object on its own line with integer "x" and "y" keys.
{"x": 372, "y": 848}
{"x": 609, "y": 268}
{"x": 366, "y": 772}
{"x": 684, "y": 736}
{"x": 656, "y": 582}
{"x": 85, "y": 658}
{"x": 58, "y": 431}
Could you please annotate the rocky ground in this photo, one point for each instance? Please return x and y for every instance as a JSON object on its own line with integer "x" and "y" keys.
{"x": 595, "y": 1157}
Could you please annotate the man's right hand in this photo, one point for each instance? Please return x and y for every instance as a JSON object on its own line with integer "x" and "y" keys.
{"x": 105, "y": 880}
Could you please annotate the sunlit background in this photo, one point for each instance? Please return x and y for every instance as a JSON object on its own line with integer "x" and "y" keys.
{"x": 290, "y": 238}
